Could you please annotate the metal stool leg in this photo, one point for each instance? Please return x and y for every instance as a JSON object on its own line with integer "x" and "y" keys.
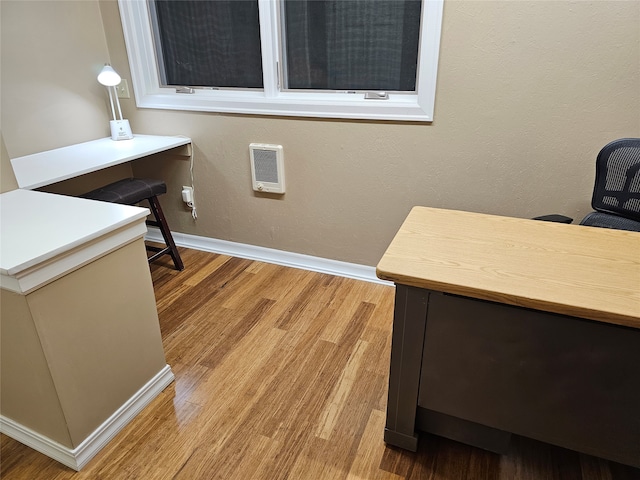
{"x": 161, "y": 223}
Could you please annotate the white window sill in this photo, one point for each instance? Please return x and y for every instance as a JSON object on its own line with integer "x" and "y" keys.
{"x": 350, "y": 106}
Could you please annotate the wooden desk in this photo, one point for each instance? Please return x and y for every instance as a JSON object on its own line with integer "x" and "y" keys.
{"x": 52, "y": 166}
{"x": 506, "y": 325}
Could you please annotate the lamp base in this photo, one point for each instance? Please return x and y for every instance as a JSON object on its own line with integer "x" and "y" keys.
{"x": 120, "y": 130}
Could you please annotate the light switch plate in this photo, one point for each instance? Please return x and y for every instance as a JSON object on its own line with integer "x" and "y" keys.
{"x": 123, "y": 89}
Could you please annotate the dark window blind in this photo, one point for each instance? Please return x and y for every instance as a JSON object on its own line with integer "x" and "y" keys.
{"x": 352, "y": 44}
{"x": 211, "y": 43}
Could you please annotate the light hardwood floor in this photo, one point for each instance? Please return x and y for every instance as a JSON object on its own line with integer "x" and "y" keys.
{"x": 282, "y": 373}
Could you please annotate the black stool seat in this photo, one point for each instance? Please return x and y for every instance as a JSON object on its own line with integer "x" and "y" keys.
{"x": 128, "y": 191}
{"x": 131, "y": 191}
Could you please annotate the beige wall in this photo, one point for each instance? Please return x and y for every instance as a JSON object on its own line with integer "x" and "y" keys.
{"x": 528, "y": 92}
{"x": 52, "y": 52}
{"x": 27, "y": 392}
{"x": 7, "y": 178}
{"x": 105, "y": 345}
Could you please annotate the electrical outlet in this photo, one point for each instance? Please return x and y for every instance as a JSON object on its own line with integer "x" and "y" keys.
{"x": 123, "y": 89}
{"x": 187, "y": 195}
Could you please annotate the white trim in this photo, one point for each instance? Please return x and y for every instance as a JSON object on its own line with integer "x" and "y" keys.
{"x": 270, "y": 255}
{"x": 401, "y": 106}
{"x": 80, "y": 456}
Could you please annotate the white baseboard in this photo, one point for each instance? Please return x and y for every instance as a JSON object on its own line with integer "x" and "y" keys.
{"x": 80, "y": 456}
{"x": 270, "y": 255}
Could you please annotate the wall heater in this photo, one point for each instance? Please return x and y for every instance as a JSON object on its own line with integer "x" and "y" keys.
{"x": 267, "y": 167}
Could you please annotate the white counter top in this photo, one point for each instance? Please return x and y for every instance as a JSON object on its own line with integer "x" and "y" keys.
{"x": 53, "y": 234}
{"x": 46, "y": 168}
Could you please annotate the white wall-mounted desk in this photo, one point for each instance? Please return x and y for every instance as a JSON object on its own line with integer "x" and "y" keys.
{"x": 81, "y": 349}
{"x": 52, "y": 166}
{"x": 81, "y": 344}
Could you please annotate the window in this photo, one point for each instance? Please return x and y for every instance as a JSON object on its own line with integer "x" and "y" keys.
{"x": 320, "y": 58}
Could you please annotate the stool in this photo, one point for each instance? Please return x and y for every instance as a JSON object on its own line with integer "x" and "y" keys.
{"x": 131, "y": 191}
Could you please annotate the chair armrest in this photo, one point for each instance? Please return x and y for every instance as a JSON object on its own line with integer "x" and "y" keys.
{"x": 554, "y": 218}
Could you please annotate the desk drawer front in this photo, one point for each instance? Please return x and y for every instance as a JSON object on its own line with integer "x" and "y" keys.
{"x": 562, "y": 380}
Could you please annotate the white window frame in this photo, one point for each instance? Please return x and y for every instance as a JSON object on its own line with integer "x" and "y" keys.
{"x": 400, "y": 106}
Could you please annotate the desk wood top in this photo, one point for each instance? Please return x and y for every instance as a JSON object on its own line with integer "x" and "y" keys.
{"x": 587, "y": 272}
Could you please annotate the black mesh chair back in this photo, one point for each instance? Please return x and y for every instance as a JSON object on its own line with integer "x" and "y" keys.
{"x": 617, "y": 187}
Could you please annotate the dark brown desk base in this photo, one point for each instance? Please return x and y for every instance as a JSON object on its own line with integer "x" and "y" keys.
{"x": 477, "y": 371}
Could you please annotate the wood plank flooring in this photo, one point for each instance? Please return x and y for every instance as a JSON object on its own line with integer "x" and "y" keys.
{"x": 282, "y": 374}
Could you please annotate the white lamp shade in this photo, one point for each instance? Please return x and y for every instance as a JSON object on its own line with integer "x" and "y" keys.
{"x": 108, "y": 76}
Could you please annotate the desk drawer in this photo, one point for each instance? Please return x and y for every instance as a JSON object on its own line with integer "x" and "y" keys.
{"x": 563, "y": 380}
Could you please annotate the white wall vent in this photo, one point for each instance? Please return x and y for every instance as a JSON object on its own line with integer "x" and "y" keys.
{"x": 267, "y": 167}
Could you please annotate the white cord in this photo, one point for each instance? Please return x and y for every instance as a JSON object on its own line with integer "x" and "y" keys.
{"x": 113, "y": 111}
{"x": 115, "y": 92}
{"x": 193, "y": 189}
{"x": 192, "y": 204}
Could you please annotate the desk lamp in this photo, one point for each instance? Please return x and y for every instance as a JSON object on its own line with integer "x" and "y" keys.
{"x": 120, "y": 129}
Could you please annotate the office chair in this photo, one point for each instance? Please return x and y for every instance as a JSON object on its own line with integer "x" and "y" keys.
{"x": 131, "y": 191}
{"x": 616, "y": 194}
